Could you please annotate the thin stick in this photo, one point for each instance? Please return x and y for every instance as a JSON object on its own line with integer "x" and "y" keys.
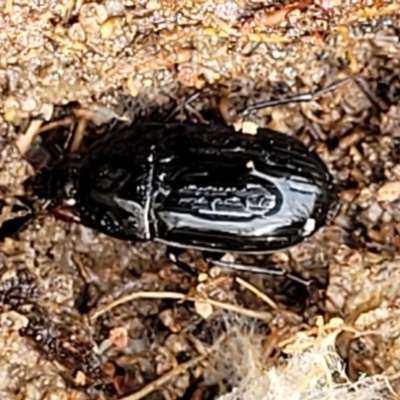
{"x": 25, "y": 140}
{"x": 56, "y": 124}
{"x": 135, "y": 296}
{"x": 310, "y": 376}
{"x": 257, "y": 292}
{"x": 79, "y": 134}
{"x": 151, "y": 387}
{"x": 265, "y": 316}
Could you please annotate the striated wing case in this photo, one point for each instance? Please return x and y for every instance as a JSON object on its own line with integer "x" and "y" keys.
{"x": 220, "y": 190}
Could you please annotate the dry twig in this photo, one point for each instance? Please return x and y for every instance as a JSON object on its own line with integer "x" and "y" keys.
{"x": 179, "y": 296}
{"x": 257, "y": 292}
{"x": 151, "y": 387}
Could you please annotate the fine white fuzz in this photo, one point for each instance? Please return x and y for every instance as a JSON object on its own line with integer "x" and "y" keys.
{"x": 312, "y": 371}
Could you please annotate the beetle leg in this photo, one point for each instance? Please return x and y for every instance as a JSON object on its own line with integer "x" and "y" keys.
{"x": 258, "y": 270}
{"x": 183, "y": 105}
{"x": 173, "y": 254}
{"x": 297, "y": 98}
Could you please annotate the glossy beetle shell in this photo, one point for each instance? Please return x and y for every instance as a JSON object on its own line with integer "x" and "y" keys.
{"x": 191, "y": 186}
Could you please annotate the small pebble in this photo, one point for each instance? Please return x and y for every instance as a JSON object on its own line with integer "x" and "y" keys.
{"x": 390, "y": 191}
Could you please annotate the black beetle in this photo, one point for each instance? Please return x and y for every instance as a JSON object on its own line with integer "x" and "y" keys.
{"x": 210, "y": 189}
{"x": 203, "y": 187}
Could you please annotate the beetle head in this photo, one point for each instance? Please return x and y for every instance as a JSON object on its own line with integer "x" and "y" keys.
{"x": 57, "y": 184}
